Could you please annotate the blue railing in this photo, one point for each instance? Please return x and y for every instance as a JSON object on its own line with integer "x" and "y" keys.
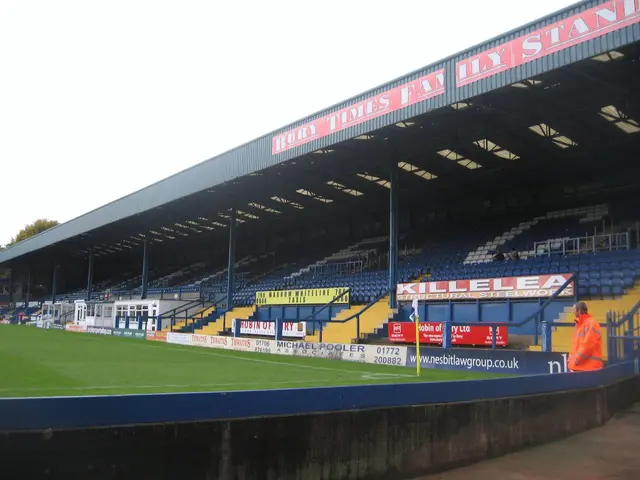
{"x": 309, "y": 318}
{"x": 355, "y": 316}
{"x": 537, "y": 316}
{"x": 313, "y": 317}
{"x": 623, "y": 336}
{"x": 175, "y": 313}
{"x": 197, "y": 319}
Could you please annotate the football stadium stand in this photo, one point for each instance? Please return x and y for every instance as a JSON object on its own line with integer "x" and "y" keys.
{"x": 559, "y": 241}
{"x": 606, "y": 270}
{"x": 457, "y": 174}
{"x": 471, "y": 203}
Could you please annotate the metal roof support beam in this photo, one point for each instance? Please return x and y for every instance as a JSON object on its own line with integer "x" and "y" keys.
{"x": 145, "y": 269}
{"x": 28, "y": 296}
{"x": 11, "y": 287}
{"x": 232, "y": 257}
{"x": 54, "y": 281}
{"x": 90, "y": 275}
{"x": 393, "y": 235}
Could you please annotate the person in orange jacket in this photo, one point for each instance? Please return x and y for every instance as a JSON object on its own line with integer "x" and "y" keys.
{"x": 586, "y": 348}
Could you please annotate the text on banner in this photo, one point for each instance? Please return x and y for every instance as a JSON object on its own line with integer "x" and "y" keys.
{"x": 431, "y": 332}
{"x": 308, "y": 296}
{"x": 535, "y": 286}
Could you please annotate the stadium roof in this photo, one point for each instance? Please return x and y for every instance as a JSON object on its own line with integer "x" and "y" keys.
{"x": 560, "y": 92}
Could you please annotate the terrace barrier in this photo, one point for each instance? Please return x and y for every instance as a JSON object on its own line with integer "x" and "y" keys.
{"x": 623, "y": 336}
{"x": 543, "y": 325}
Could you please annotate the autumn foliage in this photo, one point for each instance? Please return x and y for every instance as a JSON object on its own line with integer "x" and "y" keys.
{"x": 33, "y": 229}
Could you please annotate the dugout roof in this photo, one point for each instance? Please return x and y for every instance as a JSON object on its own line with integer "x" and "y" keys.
{"x": 554, "y": 98}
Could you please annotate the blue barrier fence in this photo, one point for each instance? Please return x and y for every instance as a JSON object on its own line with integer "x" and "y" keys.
{"x": 623, "y": 336}
{"x": 478, "y": 312}
{"x": 542, "y": 324}
{"x": 96, "y": 411}
{"x": 321, "y": 315}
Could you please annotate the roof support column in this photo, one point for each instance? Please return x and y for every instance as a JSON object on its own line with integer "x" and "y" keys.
{"x": 232, "y": 258}
{"x": 145, "y": 269}
{"x": 393, "y": 235}
{"x": 54, "y": 281}
{"x": 11, "y": 287}
{"x": 90, "y": 275}
{"x": 28, "y": 293}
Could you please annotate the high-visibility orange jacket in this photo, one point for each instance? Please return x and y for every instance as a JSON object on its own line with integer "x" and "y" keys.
{"x": 586, "y": 349}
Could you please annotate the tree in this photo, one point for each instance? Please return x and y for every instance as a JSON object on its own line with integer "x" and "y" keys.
{"x": 32, "y": 229}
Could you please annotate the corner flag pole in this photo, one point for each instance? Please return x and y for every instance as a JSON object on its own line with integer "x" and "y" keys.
{"x": 414, "y": 306}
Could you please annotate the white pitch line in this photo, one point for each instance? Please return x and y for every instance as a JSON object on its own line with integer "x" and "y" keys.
{"x": 200, "y": 350}
{"x": 272, "y": 362}
{"x": 177, "y": 385}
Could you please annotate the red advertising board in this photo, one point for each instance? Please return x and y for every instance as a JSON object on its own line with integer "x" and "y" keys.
{"x": 607, "y": 17}
{"x": 431, "y": 332}
{"x": 75, "y": 328}
{"x": 418, "y": 90}
{"x": 535, "y": 286}
{"x": 157, "y": 336}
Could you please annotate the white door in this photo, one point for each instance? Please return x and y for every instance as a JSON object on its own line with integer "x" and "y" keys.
{"x": 81, "y": 314}
{"x": 152, "y": 324}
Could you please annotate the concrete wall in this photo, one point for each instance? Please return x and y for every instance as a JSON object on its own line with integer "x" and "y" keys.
{"x": 399, "y": 442}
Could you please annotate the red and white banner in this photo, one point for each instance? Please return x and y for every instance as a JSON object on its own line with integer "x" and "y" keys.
{"x": 268, "y": 329}
{"x": 487, "y": 288}
{"x": 418, "y": 90}
{"x": 607, "y": 17}
{"x": 157, "y": 336}
{"x": 431, "y": 332}
{"x": 75, "y": 328}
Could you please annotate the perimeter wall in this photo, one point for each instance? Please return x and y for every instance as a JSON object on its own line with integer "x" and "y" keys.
{"x": 364, "y": 432}
{"x": 392, "y": 442}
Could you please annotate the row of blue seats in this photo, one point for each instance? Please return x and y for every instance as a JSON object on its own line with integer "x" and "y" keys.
{"x": 568, "y": 266}
{"x": 601, "y": 289}
{"x": 545, "y": 271}
{"x": 368, "y": 285}
{"x": 609, "y": 273}
{"x": 626, "y": 282}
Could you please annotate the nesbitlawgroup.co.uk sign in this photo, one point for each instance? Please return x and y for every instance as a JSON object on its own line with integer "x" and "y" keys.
{"x": 513, "y": 362}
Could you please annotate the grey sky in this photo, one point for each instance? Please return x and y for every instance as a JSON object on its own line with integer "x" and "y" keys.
{"x": 100, "y": 98}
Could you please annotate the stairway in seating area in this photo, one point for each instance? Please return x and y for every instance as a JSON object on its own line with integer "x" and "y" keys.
{"x": 334, "y": 332}
{"x": 562, "y": 335}
{"x": 215, "y": 327}
{"x": 182, "y": 323}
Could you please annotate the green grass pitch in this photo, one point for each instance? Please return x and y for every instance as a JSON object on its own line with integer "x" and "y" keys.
{"x": 36, "y": 362}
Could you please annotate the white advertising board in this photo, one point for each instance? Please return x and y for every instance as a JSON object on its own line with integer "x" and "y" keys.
{"x": 379, "y": 354}
{"x": 268, "y": 329}
{"x": 179, "y": 338}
